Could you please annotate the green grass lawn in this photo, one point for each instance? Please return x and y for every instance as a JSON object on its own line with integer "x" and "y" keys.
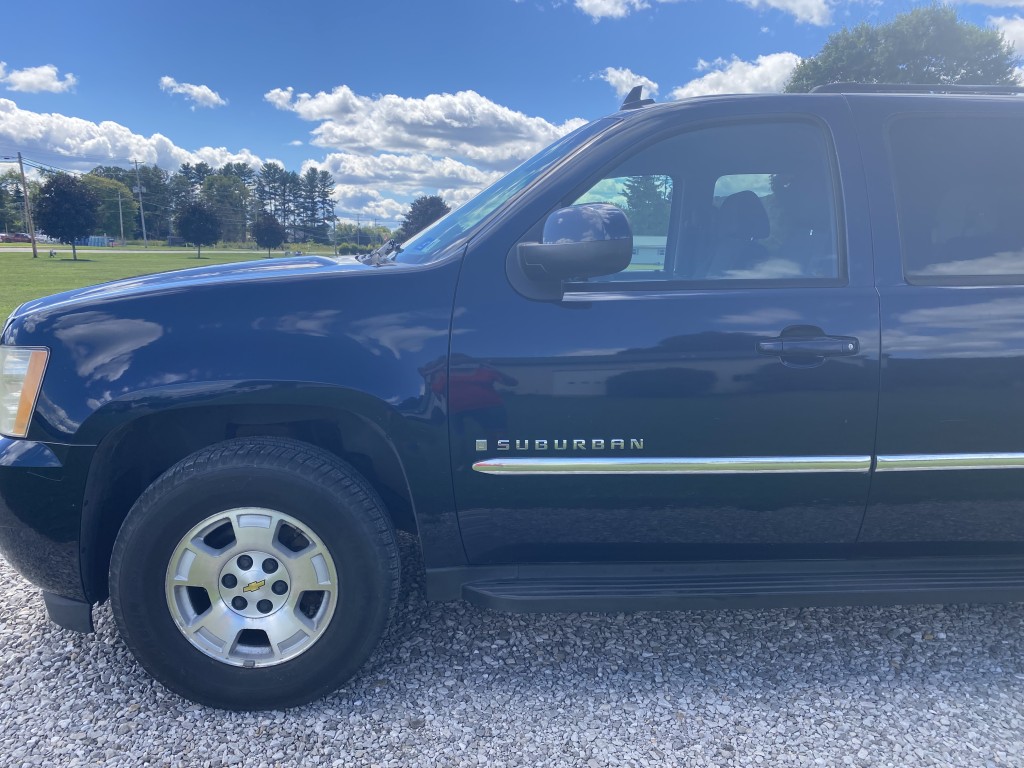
{"x": 23, "y": 278}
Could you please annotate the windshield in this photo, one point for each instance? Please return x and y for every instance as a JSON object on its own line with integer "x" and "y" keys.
{"x": 425, "y": 245}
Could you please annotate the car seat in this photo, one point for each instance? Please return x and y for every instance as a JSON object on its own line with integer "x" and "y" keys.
{"x": 742, "y": 221}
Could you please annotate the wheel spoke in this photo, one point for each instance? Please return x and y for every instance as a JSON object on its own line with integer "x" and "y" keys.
{"x": 217, "y": 629}
{"x": 286, "y": 631}
{"x": 252, "y": 530}
{"x": 196, "y": 566}
{"x": 311, "y": 571}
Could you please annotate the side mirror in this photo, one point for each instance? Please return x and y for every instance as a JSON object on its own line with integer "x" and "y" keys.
{"x": 586, "y": 240}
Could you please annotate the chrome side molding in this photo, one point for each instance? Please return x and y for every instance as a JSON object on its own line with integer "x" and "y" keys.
{"x": 742, "y": 465}
{"x": 924, "y": 462}
{"x": 673, "y": 466}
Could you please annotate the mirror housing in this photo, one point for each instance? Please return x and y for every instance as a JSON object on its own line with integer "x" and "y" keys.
{"x": 587, "y": 240}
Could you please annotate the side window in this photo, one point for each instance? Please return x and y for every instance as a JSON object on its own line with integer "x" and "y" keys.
{"x": 752, "y": 201}
{"x": 959, "y": 184}
{"x": 647, "y": 201}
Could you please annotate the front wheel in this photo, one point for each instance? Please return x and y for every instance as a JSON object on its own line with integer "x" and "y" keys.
{"x": 255, "y": 574}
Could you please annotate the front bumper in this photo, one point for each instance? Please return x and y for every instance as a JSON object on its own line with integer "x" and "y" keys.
{"x": 42, "y": 487}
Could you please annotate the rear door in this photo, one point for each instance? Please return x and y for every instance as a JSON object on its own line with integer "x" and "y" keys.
{"x": 725, "y": 385}
{"x": 948, "y": 191}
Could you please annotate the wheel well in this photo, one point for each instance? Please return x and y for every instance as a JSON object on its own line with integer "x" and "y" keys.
{"x": 129, "y": 460}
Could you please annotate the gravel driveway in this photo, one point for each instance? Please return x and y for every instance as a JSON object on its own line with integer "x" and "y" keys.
{"x": 455, "y": 685}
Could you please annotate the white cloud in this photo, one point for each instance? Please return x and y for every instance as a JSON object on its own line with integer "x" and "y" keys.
{"x": 1012, "y": 28}
{"x": 613, "y": 9}
{"x": 463, "y": 125}
{"x": 368, "y": 202}
{"x": 816, "y": 12}
{"x": 610, "y": 9}
{"x": 383, "y": 185}
{"x": 393, "y": 149}
{"x": 415, "y": 172}
{"x": 199, "y": 95}
{"x": 36, "y": 79}
{"x": 623, "y": 80}
{"x": 296, "y": 143}
{"x": 766, "y": 74}
{"x": 86, "y": 144}
{"x": 992, "y": 3}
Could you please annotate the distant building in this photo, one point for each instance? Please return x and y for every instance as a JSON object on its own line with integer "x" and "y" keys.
{"x": 649, "y": 249}
{"x": 101, "y": 241}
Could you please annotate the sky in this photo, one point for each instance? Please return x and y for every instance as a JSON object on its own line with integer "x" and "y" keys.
{"x": 395, "y": 99}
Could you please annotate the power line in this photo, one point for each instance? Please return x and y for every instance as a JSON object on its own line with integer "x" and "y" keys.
{"x": 101, "y": 159}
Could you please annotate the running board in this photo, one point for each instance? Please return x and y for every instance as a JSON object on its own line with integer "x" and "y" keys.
{"x": 660, "y": 587}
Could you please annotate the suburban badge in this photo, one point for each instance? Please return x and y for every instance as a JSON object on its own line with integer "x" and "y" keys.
{"x": 576, "y": 444}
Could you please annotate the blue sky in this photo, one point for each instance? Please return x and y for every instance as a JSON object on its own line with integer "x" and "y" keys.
{"x": 395, "y": 99}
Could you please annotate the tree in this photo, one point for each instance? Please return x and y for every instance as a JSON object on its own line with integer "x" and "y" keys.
{"x": 361, "y": 238}
{"x": 179, "y": 192}
{"x": 227, "y": 196}
{"x": 278, "y": 191}
{"x": 198, "y": 224}
{"x": 267, "y": 182}
{"x": 647, "y": 204}
{"x": 108, "y": 217}
{"x": 195, "y": 174}
{"x": 423, "y": 212}
{"x": 309, "y": 203}
{"x": 325, "y": 195}
{"x": 12, "y": 208}
{"x": 66, "y": 209}
{"x": 241, "y": 171}
{"x": 268, "y": 232}
{"x": 929, "y": 45}
{"x": 155, "y": 197}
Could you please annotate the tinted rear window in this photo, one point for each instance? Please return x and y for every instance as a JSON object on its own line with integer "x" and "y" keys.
{"x": 959, "y": 184}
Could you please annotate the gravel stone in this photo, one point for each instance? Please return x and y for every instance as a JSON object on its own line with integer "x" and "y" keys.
{"x": 454, "y": 685}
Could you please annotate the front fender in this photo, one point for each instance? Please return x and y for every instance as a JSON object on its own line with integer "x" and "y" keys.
{"x": 370, "y": 344}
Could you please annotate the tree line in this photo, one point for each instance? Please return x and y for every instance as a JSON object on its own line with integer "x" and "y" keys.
{"x": 201, "y": 205}
{"x": 235, "y": 203}
{"x": 236, "y": 193}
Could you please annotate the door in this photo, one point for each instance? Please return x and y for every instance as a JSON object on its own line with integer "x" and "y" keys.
{"x": 722, "y": 390}
{"x": 949, "y": 186}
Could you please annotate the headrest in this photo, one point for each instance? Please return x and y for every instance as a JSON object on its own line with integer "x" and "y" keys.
{"x": 742, "y": 215}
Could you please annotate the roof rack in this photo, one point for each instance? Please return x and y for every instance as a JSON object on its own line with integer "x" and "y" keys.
{"x": 914, "y": 88}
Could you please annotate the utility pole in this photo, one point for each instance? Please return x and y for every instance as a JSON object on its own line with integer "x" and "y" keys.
{"x": 142, "y": 214}
{"x": 120, "y": 215}
{"x": 28, "y": 208}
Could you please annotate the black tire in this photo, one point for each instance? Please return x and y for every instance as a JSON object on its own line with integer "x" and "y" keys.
{"x": 317, "y": 489}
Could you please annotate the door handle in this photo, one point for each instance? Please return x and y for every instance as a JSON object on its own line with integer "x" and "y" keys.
{"x": 809, "y": 346}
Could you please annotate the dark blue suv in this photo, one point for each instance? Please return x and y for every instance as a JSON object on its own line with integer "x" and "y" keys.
{"x": 731, "y": 351}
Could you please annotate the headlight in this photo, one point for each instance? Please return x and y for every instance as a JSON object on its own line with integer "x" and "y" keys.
{"x": 21, "y": 374}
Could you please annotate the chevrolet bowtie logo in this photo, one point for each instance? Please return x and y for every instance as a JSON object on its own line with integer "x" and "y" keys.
{"x": 253, "y": 586}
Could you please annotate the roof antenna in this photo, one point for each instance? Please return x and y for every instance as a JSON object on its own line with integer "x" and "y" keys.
{"x": 633, "y": 100}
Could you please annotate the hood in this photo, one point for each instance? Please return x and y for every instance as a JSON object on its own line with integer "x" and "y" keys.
{"x": 185, "y": 279}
